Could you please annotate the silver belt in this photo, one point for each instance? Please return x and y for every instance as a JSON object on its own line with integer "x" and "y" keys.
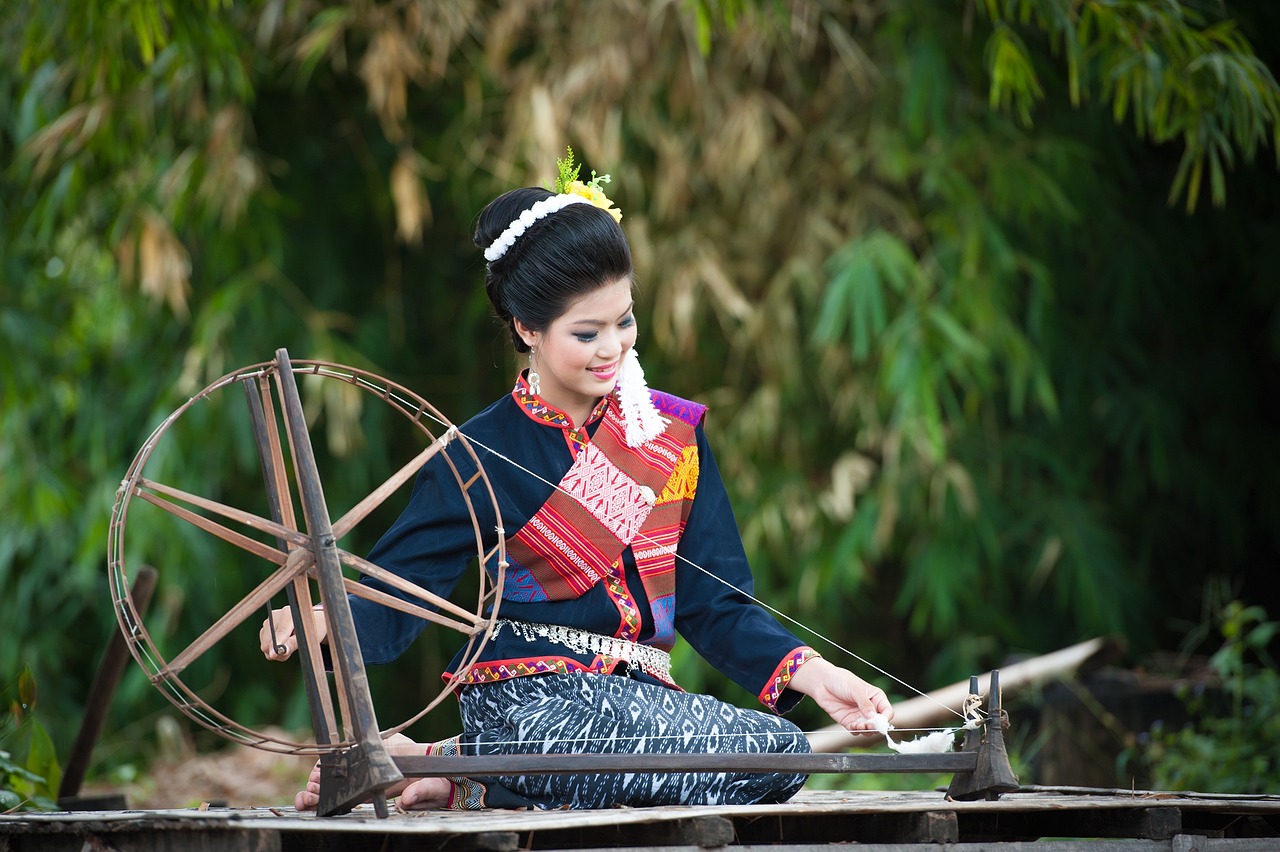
{"x": 653, "y": 660}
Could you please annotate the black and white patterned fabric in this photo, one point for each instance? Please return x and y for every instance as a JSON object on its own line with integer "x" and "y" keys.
{"x": 598, "y": 714}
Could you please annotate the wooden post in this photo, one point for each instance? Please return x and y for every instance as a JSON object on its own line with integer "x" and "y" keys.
{"x": 110, "y": 670}
{"x": 992, "y": 774}
{"x": 366, "y": 769}
{"x": 266, "y": 438}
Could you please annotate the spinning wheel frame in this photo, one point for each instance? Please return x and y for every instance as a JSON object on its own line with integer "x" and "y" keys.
{"x": 357, "y": 764}
{"x": 300, "y": 554}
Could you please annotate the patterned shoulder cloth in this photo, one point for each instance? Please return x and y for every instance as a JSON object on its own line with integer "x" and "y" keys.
{"x": 614, "y": 496}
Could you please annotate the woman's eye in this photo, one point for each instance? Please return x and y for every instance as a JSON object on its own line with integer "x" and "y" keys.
{"x": 627, "y": 323}
{"x": 585, "y": 336}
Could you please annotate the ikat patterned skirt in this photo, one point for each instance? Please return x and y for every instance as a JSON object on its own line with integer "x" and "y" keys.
{"x": 614, "y": 714}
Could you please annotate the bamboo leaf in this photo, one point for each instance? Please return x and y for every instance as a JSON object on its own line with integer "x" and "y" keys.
{"x": 42, "y": 761}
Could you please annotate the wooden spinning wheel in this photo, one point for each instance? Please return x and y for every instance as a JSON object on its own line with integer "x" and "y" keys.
{"x": 355, "y": 764}
{"x": 298, "y": 555}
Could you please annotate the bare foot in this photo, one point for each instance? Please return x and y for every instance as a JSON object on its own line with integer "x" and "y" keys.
{"x": 424, "y": 794}
{"x": 420, "y": 795}
{"x": 308, "y": 798}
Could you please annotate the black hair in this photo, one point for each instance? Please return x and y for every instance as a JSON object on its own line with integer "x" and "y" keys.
{"x": 560, "y": 257}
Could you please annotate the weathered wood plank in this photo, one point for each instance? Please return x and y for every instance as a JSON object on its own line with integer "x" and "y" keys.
{"x": 1197, "y": 843}
{"x": 814, "y": 821}
{"x": 218, "y": 840}
{"x": 1158, "y": 823}
{"x": 699, "y": 832}
{"x": 481, "y": 841}
{"x": 1016, "y": 846}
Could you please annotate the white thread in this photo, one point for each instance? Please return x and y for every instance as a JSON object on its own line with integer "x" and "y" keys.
{"x": 525, "y": 220}
{"x": 684, "y": 559}
{"x": 747, "y": 595}
{"x": 973, "y": 715}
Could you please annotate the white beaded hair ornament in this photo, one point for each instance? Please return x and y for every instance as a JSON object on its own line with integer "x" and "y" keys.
{"x": 569, "y": 190}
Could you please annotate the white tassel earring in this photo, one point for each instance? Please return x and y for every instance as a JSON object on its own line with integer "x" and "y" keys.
{"x": 643, "y": 421}
{"x": 535, "y": 381}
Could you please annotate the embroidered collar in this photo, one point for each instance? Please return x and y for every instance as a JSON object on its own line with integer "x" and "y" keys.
{"x": 537, "y": 409}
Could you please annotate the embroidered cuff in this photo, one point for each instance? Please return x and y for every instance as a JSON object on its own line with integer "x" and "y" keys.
{"x": 465, "y": 794}
{"x": 773, "y": 691}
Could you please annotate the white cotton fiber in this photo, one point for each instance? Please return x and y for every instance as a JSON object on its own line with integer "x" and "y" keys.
{"x": 937, "y": 742}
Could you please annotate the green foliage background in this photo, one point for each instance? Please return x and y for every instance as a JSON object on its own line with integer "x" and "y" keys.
{"x": 983, "y": 295}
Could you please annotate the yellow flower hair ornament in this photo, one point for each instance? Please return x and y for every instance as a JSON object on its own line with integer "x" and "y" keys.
{"x": 569, "y": 190}
{"x": 568, "y": 183}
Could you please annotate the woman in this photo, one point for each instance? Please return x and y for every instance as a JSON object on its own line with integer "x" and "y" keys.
{"x": 619, "y": 536}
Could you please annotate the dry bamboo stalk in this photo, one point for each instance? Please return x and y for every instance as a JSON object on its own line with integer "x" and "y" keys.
{"x": 930, "y": 710}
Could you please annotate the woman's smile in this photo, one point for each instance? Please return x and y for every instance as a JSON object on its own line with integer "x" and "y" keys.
{"x": 605, "y": 372}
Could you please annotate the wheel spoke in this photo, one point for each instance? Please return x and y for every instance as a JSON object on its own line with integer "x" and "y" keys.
{"x": 358, "y": 512}
{"x": 369, "y": 569}
{"x": 379, "y": 597}
{"x": 143, "y": 487}
{"x": 298, "y": 563}
{"x": 257, "y": 548}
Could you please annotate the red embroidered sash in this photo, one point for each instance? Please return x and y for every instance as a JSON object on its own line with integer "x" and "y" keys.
{"x": 614, "y": 497}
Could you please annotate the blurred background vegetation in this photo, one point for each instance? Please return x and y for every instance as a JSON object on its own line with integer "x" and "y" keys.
{"x": 983, "y": 297}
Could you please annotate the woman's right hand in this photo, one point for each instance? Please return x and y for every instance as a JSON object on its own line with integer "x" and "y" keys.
{"x": 286, "y": 636}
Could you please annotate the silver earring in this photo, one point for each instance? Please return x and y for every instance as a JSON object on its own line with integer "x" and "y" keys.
{"x": 535, "y": 381}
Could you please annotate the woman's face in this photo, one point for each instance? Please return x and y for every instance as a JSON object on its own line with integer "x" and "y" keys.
{"x": 577, "y": 357}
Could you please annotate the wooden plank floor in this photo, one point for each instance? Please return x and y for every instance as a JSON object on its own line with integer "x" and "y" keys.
{"x": 1094, "y": 820}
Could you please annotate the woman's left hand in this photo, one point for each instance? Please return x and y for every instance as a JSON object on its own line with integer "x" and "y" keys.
{"x": 847, "y": 698}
